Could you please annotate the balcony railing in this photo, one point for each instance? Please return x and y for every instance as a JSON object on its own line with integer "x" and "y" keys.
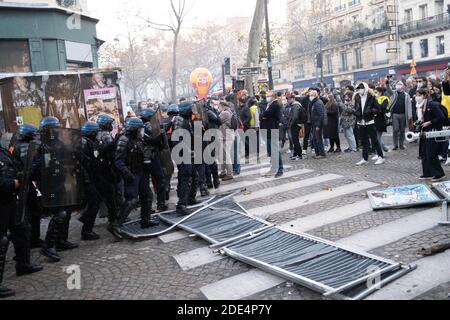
{"x": 340, "y": 7}
{"x": 423, "y": 24}
{"x": 358, "y": 66}
{"x": 343, "y": 69}
{"x": 354, "y": 3}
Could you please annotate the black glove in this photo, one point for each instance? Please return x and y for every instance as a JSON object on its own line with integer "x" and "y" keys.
{"x": 129, "y": 178}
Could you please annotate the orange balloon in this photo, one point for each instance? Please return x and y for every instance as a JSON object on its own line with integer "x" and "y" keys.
{"x": 201, "y": 80}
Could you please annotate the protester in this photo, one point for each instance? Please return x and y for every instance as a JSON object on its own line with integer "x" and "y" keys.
{"x": 228, "y": 134}
{"x": 318, "y": 122}
{"x": 331, "y": 130}
{"x": 401, "y": 112}
{"x": 366, "y": 109}
{"x": 380, "y": 118}
{"x": 348, "y": 122}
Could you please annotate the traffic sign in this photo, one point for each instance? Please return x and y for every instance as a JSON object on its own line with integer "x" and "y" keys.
{"x": 391, "y": 50}
{"x": 249, "y": 71}
{"x": 234, "y": 69}
{"x": 276, "y": 74}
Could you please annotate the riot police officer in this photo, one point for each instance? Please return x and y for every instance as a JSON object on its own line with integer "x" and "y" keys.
{"x": 172, "y": 113}
{"x": 91, "y": 166}
{"x": 108, "y": 177}
{"x": 20, "y": 232}
{"x": 153, "y": 139}
{"x": 58, "y": 227}
{"x": 212, "y": 170}
{"x": 28, "y": 133}
{"x": 129, "y": 160}
{"x": 187, "y": 174}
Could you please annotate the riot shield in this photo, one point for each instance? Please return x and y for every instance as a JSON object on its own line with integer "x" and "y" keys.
{"x": 156, "y": 123}
{"x": 25, "y": 184}
{"x": 62, "y": 183}
{"x": 199, "y": 113}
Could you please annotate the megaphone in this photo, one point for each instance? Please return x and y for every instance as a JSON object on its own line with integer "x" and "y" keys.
{"x": 412, "y": 137}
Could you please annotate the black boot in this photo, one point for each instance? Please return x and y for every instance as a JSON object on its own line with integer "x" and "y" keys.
{"x": 89, "y": 236}
{"x": 114, "y": 229}
{"x": 49, "y": 248}
{"x": 183, "y": 210}
{"x": 4, "y": 291}
{"x": 204, "y": 192}
{"x": 162, "y": 207}
{"x": 153, "y": 221}
{"x": 216, "y": 182}
{"x": 63, "y": 244}
{"x": 20, "y": 236}
{"x": 193, "y": 202}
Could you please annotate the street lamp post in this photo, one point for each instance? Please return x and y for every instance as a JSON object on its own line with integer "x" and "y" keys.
{"x": 269, "y": 49}
{"x": 320, "y": 58}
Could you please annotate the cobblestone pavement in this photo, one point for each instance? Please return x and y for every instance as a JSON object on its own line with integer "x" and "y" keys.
{"x": 148, "y": 270}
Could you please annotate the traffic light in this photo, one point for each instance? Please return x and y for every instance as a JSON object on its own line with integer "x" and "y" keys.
{"x": 227, "y": 66}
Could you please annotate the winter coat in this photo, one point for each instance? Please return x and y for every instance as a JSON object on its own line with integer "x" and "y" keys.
{"x": 225, "y": 118}
{"x": 380, "y": 118}
{"x": 331, "y": 130}
{"x": 317, "y": 113}
{"x": 298, "y": 115}
{"x": 271, "y": 117}
{"x": 371, "y": 108}
{"x": 348, "y": 118}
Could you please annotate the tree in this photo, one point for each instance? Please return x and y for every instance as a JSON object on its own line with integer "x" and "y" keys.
{"x": 255, "y": 41}
{"x": 139, "y": 60}
{"x": 178, "y": 11}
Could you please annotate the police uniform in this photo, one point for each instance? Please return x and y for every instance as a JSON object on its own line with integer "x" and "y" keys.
{"x": 129, "y": 160}
{"x": 187, "y": 174}
{"x": 20, "y": 233}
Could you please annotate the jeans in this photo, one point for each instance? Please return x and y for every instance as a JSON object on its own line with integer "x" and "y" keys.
{"x": 380, "y": 139}
{"x": 318, "y": 142}
{"x": 399, "y": 126}
{"x": 269, "y": 153}
{"x": 295, "y": 134}
{"x": 350, "y": 137}
{"x": 237, "y": 158}
{"x": 370, "y": 133}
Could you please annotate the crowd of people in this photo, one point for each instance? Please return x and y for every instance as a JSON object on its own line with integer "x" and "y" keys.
{"x": 121, "y": 170}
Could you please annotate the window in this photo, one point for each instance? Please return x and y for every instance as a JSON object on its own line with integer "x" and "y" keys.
{"x": 358, "y": 58}
{"x": 439, "y": 7}
{"x": 409, "y": 51}
{"x": 424, "y": 48}
{"x": 380, "y": 52}
{"x": 408, "y": 15}
{"x": 423, "y": 11}
{"x": 300, "y": 70}
{"x": 344, "y": 62}
{"x": 14, "y": 56}
{"x": 329, "y": 60}
{"x": 440, "y": 45}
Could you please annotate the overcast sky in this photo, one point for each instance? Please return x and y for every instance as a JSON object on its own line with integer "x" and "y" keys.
{"x": 203, "y": 10}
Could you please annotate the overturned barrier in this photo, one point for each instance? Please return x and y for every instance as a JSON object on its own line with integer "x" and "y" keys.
{"x": 323, "y": 266}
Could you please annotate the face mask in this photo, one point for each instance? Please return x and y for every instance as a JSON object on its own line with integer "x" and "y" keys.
{"x": 419, "y": 99}
{"x": 419, "y": 85}
{"x": 361, "y": 92}
{"x": 311, "y": 98}
{"x": 399, "y": 87}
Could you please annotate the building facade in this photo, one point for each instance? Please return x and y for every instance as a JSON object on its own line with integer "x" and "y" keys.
{"x": 46, "y": 37}
{"x": 355, "y": 38}
{"x": 424, "y": 31}
{"x": 363, "y": 40}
